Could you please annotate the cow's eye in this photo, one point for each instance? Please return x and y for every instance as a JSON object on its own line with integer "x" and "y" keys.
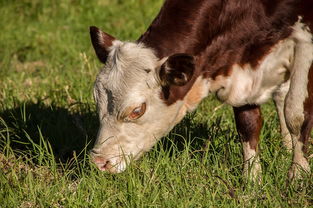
{"x": 137, "y": 112}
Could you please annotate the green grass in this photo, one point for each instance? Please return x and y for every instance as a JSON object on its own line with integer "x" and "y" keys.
{"x": 48, "y": 123}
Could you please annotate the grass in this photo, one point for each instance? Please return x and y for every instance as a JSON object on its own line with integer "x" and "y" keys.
{"x": 48, "y": 123}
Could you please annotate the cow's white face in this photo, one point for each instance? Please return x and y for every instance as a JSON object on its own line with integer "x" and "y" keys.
{"x": 129, "y": 94}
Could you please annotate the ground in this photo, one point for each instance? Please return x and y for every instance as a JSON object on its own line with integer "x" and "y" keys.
{"x": 48, "y": 123}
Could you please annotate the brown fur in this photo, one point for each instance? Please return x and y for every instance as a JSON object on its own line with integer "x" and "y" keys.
{"x": 220, "y": 33}
{"x": 172, "y": 91}
{"x": 249, "y": 123}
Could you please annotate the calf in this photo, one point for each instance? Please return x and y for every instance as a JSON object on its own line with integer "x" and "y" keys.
{"x": 244, "y": 51}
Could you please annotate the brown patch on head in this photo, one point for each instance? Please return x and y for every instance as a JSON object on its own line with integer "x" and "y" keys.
{"x": 177, "y": 70}
{"x": 171, "y": 94}
{"x": 192, "y": 98}
{"x": 177, "y": 74}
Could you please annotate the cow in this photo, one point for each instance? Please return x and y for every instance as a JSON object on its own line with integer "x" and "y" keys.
{"x": 245, "y": 52}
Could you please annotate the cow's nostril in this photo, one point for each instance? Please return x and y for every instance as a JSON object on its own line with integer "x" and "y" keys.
{"x": 101, "y": 163}
{"x": 104, "y": 166}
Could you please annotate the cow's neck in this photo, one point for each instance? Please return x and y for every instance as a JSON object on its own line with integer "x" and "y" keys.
{"x": 176, "y": 27}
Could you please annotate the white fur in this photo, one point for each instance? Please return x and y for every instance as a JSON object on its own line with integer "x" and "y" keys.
{"x": 279, "y": 98}
{"x": 252, "y": 167}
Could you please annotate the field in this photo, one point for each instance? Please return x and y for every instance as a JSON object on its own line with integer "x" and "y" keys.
{"x": 48, "y": 123}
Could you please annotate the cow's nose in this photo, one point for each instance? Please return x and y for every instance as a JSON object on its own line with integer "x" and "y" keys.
{"x": 101, "y": 163}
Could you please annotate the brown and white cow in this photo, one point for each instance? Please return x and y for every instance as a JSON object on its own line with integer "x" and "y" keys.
{"x": 244, "y": 51}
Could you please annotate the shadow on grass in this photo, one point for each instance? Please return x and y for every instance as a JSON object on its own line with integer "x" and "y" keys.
{"x": 67, "y": 132}
{"x": 198, "y": 136}
{"x": 187, "y": 132}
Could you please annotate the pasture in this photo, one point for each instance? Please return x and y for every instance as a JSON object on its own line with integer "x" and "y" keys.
{"x": 48, "y": 123}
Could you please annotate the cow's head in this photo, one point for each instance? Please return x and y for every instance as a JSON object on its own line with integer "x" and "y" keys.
{"x": 135, "y": 98}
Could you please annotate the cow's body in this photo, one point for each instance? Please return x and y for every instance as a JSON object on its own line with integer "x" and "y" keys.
{"x": 243, "y": 51}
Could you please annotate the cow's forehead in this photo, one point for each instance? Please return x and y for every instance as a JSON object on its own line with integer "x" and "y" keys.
{"x": 124, "y": 56}
{"x": 127, "y": 63}
{"x": 129, "y": 71}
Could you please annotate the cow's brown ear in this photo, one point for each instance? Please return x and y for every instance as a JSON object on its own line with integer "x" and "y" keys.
{"x": 101, "y": 42}
{"x": 177, "y": 70}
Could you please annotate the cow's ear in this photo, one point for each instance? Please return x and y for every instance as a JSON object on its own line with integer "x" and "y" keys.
{"x": 177, "y": 70}
{"x": 101, "y": 42}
